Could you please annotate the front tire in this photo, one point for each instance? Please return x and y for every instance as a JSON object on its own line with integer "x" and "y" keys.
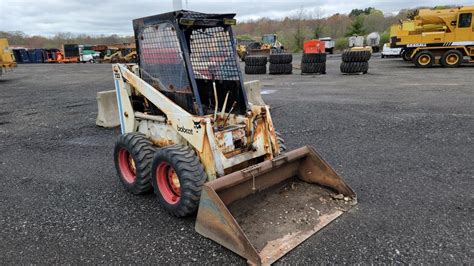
{"x": 177, "y": 179}
{"x": 133, "y": 154}
{"x": 424, "y": 59}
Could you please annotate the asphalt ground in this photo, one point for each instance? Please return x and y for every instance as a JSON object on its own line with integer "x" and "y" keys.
{"x": 402, "y": 137}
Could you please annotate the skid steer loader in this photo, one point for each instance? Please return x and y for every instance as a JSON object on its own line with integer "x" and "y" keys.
{"x": 190, "y": 134}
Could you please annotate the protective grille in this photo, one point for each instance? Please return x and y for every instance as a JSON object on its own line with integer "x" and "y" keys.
{"x": 212, "y": 55}
{"x": 161, "y": 58}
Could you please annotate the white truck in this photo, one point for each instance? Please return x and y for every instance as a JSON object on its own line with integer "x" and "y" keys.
{"x": 329, "y": 44}
{"x": 373, "y": 40}
{"x": 390, "y": 52}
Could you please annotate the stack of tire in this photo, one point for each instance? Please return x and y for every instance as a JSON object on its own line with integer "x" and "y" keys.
{"x": 255, "y": 64}
{"x": 280, "y": 63}
{"x": 313, "y": 63}
{"x": 355, "y": 61}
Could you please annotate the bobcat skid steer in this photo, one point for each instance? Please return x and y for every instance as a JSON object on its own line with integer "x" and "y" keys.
{"x": 190, "y": 134}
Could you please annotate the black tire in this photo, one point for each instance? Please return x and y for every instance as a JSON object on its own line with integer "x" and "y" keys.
{"x": 258, "y": 70}
{"x": 281, "y": 142}
{"x": 356, "y": 56}
{"x": 406, "y": 55}
{"x": 275, "y": 69}
{"x": 190, "y": 173}
{"x": 133, "y": 155}
{"x": 448, "y": 57}
{"x": 255, "y": 60}
{"x": 424, "y": 59}
{"x": 354, "y": 67}
{"x": 331, "y": 51}
{"x": 313, "y": 58}
{"x": 280, "y": 58}
{"x": 315, "y": 68}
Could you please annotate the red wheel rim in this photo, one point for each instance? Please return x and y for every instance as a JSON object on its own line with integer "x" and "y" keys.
{"x": 168, "y": 183}
{"x": 127, "y": 166}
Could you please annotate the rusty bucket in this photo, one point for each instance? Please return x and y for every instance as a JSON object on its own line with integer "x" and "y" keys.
{"x": 264, "y": 211}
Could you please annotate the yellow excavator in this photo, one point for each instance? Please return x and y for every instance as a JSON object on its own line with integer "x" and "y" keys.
{"x": 204, "y": 141}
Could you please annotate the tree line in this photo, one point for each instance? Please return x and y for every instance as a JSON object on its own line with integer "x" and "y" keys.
{"x": 292, "y": 31}
{"x": 18, "y": 38}
{"x": 304, "y": 25}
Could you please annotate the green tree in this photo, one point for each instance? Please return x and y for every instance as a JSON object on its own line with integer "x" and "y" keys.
{"x": 357, "y": 27}
{"x": 357, "y": 12}
{"x": 341, "y": 43}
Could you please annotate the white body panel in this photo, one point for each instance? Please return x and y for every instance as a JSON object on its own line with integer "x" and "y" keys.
{"x": 387, "y": 51}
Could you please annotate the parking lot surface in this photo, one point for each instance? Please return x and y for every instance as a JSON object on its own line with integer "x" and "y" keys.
{"x": 402, "y": 137}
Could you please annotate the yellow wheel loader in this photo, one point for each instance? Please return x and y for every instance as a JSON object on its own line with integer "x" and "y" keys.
{"x": 268, "y": 45}
{"x": 191, "y": 135}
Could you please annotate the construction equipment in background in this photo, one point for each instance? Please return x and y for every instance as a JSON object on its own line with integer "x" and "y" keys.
{"x": 190, "y": 134}
{"x": 71, "y": 53}
{"x": 314, "y": 57}
{"x": 120, "y": 54}
{"x": 268, "y": 45}
{"x": 242, "y": 45}
{"x": 21, "y": 55}
{"x": 53, "y": 56}
{"x": 373, "y": 40}
{"x": 443, "y": 36}
{"x": 7, "y": 59}
{"x": 329, "y": 44}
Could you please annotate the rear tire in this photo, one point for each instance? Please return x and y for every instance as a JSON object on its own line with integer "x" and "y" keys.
{"x": 452, "y": 58}
{"x": 315, "y": 68}
{"x": 177, "y": 179}
{"x": 255, "y": 70}
{"x": 406, "y": 55}
{"x": 133, "y": 154}
{"x": 275, "y": 69}
{"x": 313, "y": 58}
{"x": 354, "y": 67}
{"x": 280, "y": 58}
{"x": 255, "y": 60}
{"x": 424, "y": 59}
{"x": 356, "y": 56}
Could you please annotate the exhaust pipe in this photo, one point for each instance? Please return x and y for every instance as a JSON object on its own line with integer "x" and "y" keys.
{"x": 264, "y": 211}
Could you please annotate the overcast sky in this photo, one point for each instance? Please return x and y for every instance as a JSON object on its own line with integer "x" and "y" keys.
{"x": 48, "y": 17}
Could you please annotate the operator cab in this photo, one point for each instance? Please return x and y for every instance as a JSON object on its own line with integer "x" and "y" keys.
{"x": 184, "y": 54}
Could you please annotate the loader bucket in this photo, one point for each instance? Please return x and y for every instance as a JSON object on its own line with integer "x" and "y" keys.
{"x": 264, "y": 211}
{"x": 107, "y": 109}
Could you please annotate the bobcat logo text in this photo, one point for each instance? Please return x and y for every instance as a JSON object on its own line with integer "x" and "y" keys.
{"x": 184, "y": 130}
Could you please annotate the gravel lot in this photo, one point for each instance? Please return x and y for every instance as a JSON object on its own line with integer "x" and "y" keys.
{"x": 403, "y": 138}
